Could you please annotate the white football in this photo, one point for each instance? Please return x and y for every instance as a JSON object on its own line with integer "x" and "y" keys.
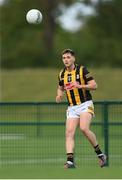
{"x": 34, "y": 16}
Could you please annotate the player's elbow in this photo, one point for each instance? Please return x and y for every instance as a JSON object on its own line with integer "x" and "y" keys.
{"x": 95, "y": 86}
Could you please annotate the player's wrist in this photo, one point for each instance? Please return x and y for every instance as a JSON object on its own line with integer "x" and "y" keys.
{"x": 59, "y": 96}
{"x": 79, "y": 86}
{"x": 85, "y": 87}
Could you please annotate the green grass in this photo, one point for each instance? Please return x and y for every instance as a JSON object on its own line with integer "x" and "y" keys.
{"x": 41, "y": 84}
{"x": 60, "y": 173}
{"x": 29, "y": 85}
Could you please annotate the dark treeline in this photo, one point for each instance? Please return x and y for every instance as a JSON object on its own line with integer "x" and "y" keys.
{"x": 97, "y": 43}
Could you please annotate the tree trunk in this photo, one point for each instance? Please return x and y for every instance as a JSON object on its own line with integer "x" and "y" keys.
{"x": 49, "y": 24}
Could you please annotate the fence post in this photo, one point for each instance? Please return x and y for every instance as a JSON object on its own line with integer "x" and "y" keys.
{"x": 38, "y": 120}
{"x": 106, "y": 131}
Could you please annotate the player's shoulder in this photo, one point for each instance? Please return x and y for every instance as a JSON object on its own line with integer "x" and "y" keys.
{"x": 81, "y": 69}
{"x": 79, "y": 66}
{"x": 61, "y": 72}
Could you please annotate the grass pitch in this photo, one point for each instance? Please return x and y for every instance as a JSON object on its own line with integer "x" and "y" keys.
{"x": 60, "y": 173}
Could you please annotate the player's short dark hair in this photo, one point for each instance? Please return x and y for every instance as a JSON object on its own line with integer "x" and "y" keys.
{"x": 68, "y": 51}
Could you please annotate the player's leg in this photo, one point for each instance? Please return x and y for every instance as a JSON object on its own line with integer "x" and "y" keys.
{"x": 71, "y": 125}
{"x": 85, "y": 121}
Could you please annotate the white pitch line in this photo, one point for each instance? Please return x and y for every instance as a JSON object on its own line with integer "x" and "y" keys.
{"x": 31, "y": 161}
{"x": 12, "y": 136}
{"x": 45, "y": 160}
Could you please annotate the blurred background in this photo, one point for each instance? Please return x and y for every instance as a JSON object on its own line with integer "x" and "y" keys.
{"x": 30, "y": 57}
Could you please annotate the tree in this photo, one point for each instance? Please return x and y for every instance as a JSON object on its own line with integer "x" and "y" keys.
{"x": 24, "y": 44}
{"x": 102, "y": 35}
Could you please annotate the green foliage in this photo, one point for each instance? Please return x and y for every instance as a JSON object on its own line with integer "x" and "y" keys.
{"x": 21, "y": 43}
{"x": 103, "y": 34}
{"x": 97, "y": 43}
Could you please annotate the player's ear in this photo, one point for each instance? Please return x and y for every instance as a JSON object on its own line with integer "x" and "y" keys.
{"x": 73, "y": 59}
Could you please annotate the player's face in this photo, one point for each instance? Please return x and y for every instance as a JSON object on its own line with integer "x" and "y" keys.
{"x": 68, "y": 59}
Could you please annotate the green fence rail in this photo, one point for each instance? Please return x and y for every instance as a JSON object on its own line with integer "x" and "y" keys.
{"x": 33, "y": 134}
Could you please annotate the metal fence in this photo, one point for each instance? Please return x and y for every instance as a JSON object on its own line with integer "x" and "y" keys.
{"x": 33, "y": 134}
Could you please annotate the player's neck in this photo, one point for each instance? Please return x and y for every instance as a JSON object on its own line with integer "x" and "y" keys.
{"x": 71, "y": 68}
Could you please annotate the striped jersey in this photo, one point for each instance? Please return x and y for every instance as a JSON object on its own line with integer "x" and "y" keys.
{"x": 82, "y": 76}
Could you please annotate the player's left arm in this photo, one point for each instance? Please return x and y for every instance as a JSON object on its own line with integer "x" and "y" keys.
{"x": 90, "y": 83}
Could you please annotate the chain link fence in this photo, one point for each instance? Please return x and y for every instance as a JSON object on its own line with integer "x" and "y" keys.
{"x": 33, "y": 134}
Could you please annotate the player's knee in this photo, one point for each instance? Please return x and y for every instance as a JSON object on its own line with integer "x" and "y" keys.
{"x": 69, "y": 133}
{"x": 84, "y": 129}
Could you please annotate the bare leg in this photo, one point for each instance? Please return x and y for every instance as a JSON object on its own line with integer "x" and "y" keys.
{"x": 85, "y": 121}
{"x": 71, "y": 125}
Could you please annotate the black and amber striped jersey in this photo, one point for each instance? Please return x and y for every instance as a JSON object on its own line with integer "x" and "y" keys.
{"x": 80, "y": 74}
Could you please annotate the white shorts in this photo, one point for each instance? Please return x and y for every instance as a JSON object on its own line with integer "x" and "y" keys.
{"x": 75, "y": 111}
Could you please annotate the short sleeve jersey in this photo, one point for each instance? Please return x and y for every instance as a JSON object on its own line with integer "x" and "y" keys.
{"x": 80, "y": 74}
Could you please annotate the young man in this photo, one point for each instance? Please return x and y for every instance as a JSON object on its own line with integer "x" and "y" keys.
{"x": 77, "y": 82}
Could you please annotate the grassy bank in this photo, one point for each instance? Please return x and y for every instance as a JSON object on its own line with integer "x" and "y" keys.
{"x": 41, "y": 84}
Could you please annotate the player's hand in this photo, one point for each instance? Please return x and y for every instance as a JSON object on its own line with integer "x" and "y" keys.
{"x": 76, "y": 84}
{"x": 70, "y": 86}
{"x": 58, "y": 99}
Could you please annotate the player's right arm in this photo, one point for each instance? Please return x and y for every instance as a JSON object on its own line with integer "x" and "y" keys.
{"x": 60, "y": 92}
